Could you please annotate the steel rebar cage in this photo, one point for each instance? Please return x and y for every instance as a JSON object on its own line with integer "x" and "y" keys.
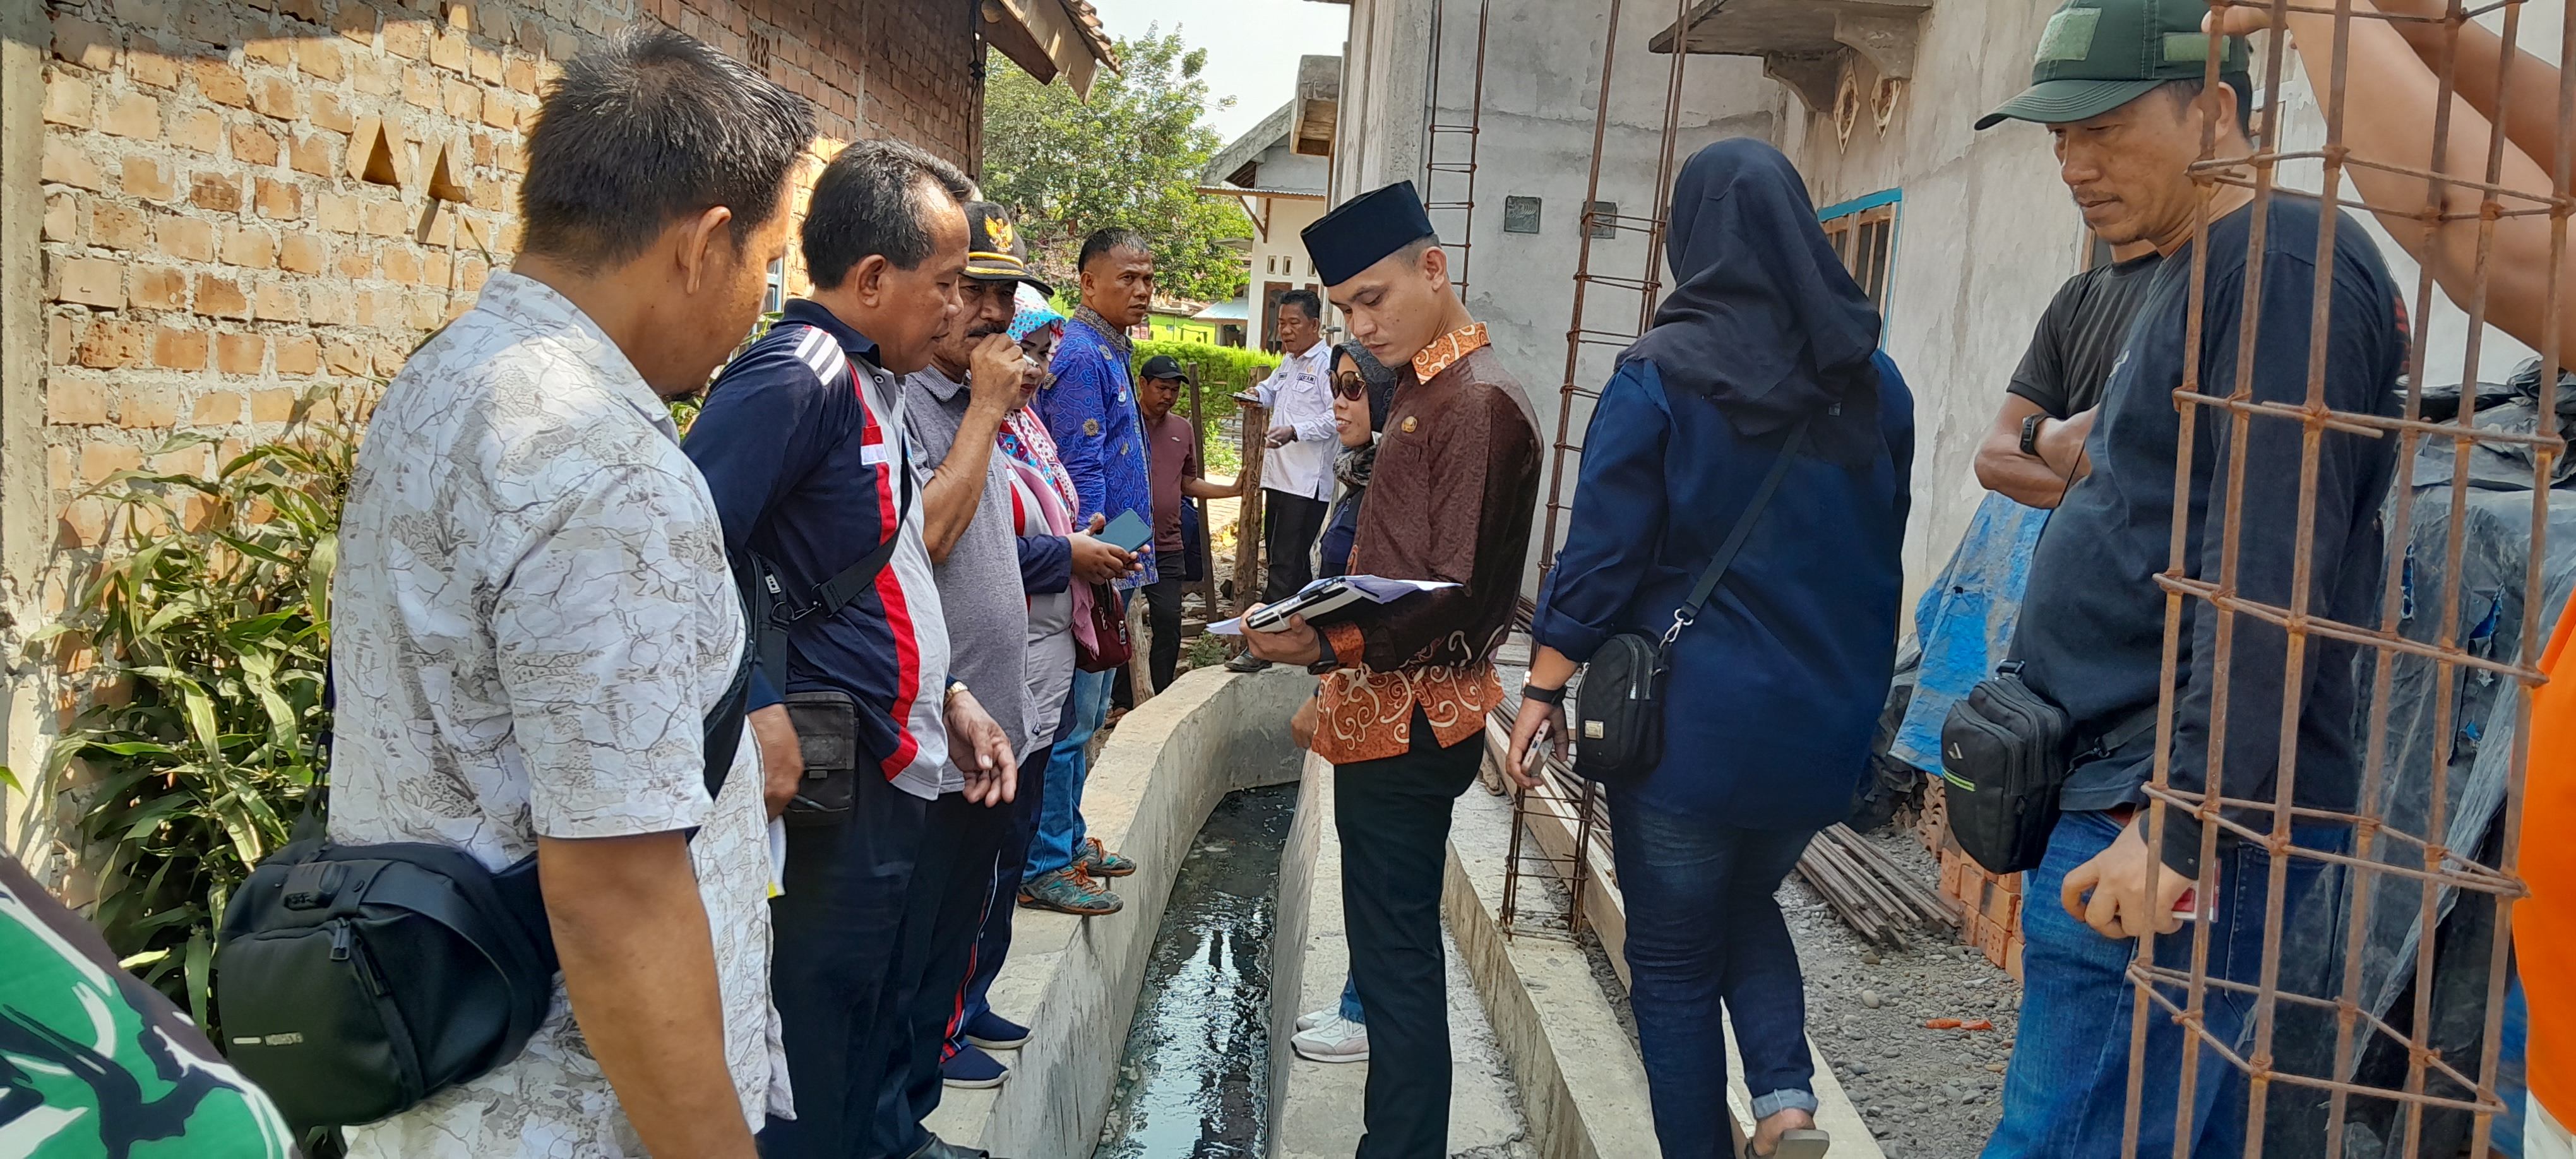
{"x": 2387, "y": 1070}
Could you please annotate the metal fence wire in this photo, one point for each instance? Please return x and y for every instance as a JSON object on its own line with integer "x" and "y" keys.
{"x": 2333, "y": 1066}
{"x": 2353, "y": 1048}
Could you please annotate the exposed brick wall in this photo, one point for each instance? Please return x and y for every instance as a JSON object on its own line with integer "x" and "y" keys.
{"x": 906, "y": 69}
{"x": 209, "y": 258}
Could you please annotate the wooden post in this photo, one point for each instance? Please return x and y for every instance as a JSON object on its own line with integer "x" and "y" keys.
{"x": 1140, "y": 666}
{"x": 1206, "y": 587}
{"x": 1247, "y": 530}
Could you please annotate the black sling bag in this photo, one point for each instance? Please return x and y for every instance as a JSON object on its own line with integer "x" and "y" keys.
{"x": 1620, "y": 730}
{"x": 2006, "y": 752}
{"x": 826, "y": 721}
{"x": 355, "y": 981}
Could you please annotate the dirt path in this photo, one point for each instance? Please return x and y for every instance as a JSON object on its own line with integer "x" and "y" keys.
{"x": 1928, "y": 1094}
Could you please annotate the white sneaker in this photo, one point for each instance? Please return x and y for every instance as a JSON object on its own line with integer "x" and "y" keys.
{"x": 1335, "y": 1039}
{"x": 1314, "y": 1018}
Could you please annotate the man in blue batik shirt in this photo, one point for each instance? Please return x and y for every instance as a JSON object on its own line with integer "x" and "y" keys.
{"x": 1090, "y": 409}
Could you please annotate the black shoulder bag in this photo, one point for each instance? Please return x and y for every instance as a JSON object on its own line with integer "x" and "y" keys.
{"x": 2006, "y": 751}
{"x": 355, "y": 981}
{"x": 1619, "y": 733}
{"x": 826, "y": 721}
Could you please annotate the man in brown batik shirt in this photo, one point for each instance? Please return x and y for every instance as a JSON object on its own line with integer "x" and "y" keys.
{"x": 1407, "y": 684}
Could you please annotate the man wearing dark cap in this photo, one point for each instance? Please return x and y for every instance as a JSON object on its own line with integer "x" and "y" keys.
{"x": 1407, "y": 685}
{"x": 1174, "y": 470}
{"x": 985, "y": 572}
{"x": 2119, "y": 83}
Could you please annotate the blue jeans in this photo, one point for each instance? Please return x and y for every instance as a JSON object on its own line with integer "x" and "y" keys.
{"x": 1060, "y": 830}
{"x": 1704, "y": 932}
{"x": 2066, "y": 1095}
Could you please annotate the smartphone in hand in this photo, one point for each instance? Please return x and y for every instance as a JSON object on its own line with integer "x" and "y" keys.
{"x": 1127, "y": 533}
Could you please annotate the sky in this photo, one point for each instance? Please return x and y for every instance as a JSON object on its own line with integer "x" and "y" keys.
{"x": 1253, "y": 45}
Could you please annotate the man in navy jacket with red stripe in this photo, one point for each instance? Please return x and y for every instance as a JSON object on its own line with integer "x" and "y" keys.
{"x": 802, "y": 445}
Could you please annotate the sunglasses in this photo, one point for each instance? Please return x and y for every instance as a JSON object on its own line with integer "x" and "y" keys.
{"x": 1350, "y": 385}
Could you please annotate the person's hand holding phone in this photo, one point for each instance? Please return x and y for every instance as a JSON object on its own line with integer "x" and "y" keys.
{"x": 1538, "y": 728}
{"x": 1096, "y": 561}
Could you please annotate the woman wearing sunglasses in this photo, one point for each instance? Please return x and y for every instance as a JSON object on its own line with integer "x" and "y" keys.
{"x": 1362, "y": 388}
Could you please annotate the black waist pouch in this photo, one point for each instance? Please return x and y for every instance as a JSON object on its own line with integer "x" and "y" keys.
{"x": 2003, "y": 758}
{"x": 827, "y": 732}
{"x": 2005, "y": 755}
{"x": 354, "y": 981}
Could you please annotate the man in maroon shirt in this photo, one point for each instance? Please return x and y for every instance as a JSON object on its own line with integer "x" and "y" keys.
{"x": 1173, "y": 470}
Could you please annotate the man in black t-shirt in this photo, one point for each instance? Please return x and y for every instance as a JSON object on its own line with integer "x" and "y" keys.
{"x": 2118, "y": 83}
{"x": 2036, "y": 449}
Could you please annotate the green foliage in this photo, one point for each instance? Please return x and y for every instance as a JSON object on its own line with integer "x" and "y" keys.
{"x": 209, "y": 617}
{"x": 1221, "y": 371}
{"x": 1132, "y": 156}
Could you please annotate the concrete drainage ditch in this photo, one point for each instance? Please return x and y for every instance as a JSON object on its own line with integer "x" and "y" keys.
{"x": 1161, "y": 1032}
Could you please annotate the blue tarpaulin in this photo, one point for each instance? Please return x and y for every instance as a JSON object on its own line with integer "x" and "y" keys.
{"x": 1965, "y": 620}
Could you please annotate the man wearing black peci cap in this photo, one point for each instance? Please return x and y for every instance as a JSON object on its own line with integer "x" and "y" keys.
{"x": 2120, "y": 84}
{"x": 1407, "y": 685}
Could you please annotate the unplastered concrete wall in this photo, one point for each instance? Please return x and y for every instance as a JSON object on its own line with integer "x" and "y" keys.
{"x": 189, "y": 247}
{"x": 1543, "y": 62}
{"x": 1985, "y": 233}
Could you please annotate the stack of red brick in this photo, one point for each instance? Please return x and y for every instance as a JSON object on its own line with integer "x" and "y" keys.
{"x": 1989, "y": 903}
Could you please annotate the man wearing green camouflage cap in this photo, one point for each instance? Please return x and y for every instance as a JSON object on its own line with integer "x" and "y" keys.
{"x": 2120, "y": 85}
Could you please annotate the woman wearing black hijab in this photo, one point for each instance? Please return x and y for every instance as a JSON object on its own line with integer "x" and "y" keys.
{"x": 1776, "y": 687}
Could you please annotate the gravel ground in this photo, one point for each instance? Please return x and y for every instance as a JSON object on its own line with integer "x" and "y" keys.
{"x": 1928, "y": 1094}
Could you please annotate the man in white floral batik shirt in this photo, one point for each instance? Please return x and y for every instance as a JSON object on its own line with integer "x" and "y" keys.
{"x": 535, "y": 614}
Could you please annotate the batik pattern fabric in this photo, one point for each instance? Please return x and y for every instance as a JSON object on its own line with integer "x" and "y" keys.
{"x": 1090, "y": 408}
{"x": 1450, "y": 499}
{"x": 533, "y": 618}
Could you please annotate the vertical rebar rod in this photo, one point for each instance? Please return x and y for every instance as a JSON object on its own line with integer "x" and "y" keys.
{"x": 1582, "y": 284}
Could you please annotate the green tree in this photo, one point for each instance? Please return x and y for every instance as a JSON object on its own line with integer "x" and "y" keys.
{"x": 1132, "y": 156}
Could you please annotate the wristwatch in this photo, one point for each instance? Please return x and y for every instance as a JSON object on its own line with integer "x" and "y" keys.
{"x": 1552, "y": 696}
{"x": 2030, "y": 433}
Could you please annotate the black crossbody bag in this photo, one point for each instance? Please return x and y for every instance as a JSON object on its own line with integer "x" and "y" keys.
{"x": 1619, "y": 730}
{"x": 355, "y": 981}
{"x": 2006, "y": 752}
{"x": 827, "y": 721}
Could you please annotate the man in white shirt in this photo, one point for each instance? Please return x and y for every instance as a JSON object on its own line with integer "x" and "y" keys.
{"x": 1297, "y": 475}
{"x": 534, "y": 617}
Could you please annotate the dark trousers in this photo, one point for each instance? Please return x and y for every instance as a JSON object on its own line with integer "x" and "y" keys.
{"x": 1289, "y": 525}
{"x": 993, "y": 942}
{"x": 1393, "y": 819}
{"x": 1163, "y": 619}
{"x": 950, "y": 891}
{"x": 834, "y": 967}
{"x": 1705, "y": 934}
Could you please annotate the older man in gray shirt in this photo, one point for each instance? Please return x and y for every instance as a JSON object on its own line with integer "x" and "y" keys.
{"x": 951, "y": 412}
